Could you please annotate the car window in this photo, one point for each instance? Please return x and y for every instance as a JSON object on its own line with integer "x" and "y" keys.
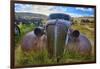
{"x": 60, "y": 16}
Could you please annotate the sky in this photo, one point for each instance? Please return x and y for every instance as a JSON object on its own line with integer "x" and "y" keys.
{"x": 45, "y": 9}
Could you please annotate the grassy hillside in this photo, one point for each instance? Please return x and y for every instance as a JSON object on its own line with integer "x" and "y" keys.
{"x": 29, "y": 15}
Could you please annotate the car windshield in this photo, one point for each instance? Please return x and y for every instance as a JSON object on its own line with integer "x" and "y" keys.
{"x": 60, "y": 16}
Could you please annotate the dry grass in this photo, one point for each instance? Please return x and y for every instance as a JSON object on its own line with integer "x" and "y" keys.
{"x": 23, "y": 59}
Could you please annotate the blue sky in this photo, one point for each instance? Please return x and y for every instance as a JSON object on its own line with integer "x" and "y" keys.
{"x": 44, "y": 9}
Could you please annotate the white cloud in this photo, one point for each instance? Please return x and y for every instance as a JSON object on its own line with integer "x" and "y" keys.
{"x": 33, "y": 8}
{"x": 84, "y": 9}
{"x": 49, "y": 9}
{"x": 42, "y": 9}
{"x": 23, "y": 7}
{"x": 38, "y": 9}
